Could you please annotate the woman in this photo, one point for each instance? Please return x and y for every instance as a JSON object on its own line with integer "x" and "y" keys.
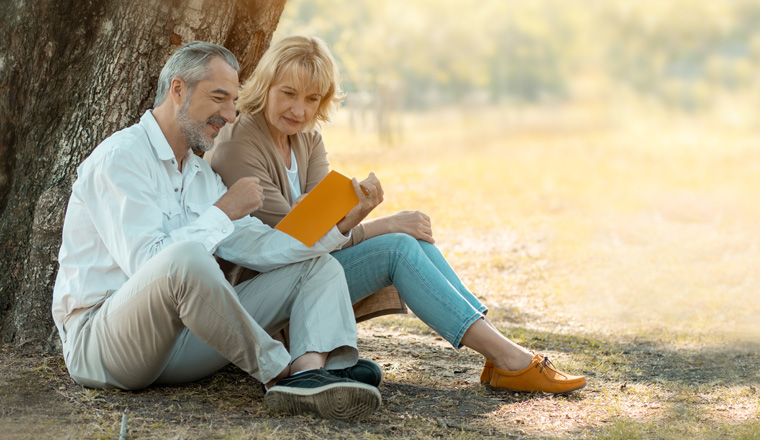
{"x": 294, "y": 87}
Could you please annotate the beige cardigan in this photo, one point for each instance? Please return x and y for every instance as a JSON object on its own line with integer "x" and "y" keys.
{"x": 245, "y": 148}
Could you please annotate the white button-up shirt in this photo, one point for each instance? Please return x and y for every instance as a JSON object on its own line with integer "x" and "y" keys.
{"x": 130, "y": 201}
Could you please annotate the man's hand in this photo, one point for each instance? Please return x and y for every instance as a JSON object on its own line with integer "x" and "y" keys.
{"x": 370, "y": 194}
{"x": 242, "y": 198}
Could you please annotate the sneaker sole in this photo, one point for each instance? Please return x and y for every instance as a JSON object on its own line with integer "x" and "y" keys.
{"x": 343, "y": 401}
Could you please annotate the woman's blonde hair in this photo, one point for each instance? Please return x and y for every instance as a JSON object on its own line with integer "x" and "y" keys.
{"x": 309, "y": 61}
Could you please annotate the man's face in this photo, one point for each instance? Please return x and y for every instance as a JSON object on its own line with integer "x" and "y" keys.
{"x": 209, "y": 106}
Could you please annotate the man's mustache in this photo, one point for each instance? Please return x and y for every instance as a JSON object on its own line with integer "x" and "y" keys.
{"x": 217, "y": 119}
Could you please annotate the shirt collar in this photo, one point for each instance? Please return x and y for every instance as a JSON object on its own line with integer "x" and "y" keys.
{"x": 158, "y": 140}
{"x": 156, "y": 136}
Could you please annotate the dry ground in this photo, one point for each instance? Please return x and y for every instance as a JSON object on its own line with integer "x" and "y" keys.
{"x": 626, "y": 252}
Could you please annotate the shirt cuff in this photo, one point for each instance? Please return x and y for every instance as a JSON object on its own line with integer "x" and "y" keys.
{"x": 334, "y": 235}
{"x": 219, "y": 226}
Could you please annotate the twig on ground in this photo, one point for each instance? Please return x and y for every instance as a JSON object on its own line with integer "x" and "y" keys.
{"x": 124, "y": 419}
{"x": 444, "y": 424}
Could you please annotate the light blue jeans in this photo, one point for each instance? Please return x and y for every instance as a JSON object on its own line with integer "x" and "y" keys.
{"x": 422, "y": 276}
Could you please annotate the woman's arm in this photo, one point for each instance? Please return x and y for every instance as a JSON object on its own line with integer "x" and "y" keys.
{"x": 370, "y": 194}
{"x": 413, "y": 223}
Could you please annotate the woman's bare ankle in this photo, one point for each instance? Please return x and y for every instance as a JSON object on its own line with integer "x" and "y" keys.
{"x": 515, "y": 361}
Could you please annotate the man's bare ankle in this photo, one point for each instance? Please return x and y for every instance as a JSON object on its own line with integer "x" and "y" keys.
{"x": 285, "y": 373}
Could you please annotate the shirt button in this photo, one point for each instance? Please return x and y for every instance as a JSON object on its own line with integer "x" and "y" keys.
{"x": 224, "y": 231}
{"x": 176, "y": 189}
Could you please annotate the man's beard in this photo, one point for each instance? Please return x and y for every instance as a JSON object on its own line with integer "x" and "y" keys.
{"x": 194, "y": 131}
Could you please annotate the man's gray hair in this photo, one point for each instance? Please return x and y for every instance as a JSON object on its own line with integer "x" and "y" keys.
{"x": 190, "y": 62}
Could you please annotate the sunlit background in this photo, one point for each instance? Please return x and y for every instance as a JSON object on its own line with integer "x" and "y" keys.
{"x": 588, "y": 163}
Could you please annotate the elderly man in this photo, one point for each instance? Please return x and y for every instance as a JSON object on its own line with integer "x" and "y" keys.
{"x": 139, "y": 298}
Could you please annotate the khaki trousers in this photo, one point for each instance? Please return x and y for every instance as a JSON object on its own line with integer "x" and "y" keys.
{"x": 178, "y": 320}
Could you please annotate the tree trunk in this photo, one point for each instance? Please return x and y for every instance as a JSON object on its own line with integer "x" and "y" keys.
{"x": 71, "y": 73}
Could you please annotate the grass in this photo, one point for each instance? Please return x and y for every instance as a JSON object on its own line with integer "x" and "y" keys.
{"x": 609, "y": 231}
{"x": 633, "y": 226}
{"x": 623, "y": 246}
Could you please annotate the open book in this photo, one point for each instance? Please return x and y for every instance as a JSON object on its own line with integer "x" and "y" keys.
{"x": 321, "y": 209}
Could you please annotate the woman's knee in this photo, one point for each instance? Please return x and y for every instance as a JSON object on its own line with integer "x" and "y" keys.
{"x": 400, "y": 244}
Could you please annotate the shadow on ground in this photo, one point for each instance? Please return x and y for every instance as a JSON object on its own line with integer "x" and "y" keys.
{"x": 430, "y": 390}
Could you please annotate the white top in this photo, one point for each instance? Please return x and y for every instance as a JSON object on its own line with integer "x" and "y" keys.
{"x": 293, "y": 179}
{"x": 130, "y": 201}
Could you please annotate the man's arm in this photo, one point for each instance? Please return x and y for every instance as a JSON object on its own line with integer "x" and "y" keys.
{"x": 256, "y": 245}
{"x": 123, "y": 196}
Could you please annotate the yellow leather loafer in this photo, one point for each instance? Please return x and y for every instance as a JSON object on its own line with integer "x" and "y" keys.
{"x": 540, "y": 376}
{"x": 485, "y": 375}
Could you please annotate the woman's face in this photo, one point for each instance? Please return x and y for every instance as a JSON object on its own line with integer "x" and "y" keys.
{"x": 290, "y": 109}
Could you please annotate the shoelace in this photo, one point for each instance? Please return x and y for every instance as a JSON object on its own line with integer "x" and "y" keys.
{"x": 546, "y": 363}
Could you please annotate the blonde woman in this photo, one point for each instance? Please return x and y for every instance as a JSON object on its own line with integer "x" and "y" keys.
{"x": 293, "y": 89}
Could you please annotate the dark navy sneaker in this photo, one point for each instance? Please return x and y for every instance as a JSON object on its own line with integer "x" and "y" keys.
{"x": 365, "y": 371}
{"x": 324, "y": 394}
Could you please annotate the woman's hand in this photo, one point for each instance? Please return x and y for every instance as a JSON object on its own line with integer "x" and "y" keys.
{"x": 414, "y": 223}
{"x": 298, "y": 200}
{"x": 370, "y": 194}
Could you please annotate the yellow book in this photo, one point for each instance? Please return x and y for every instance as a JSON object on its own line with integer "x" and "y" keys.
{"x": 321, "y": 209}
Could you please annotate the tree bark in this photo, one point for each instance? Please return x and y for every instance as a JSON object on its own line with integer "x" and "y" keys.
{"x": 71, "y": 73}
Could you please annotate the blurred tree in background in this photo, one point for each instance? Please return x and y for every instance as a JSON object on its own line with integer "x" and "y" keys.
{"x": 683, "y": 54}
{"x": 686, "y": 53}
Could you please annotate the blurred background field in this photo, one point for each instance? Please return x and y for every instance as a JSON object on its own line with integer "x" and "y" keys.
{"x": 590, "y": 163}
{"x": 653, "y": 232}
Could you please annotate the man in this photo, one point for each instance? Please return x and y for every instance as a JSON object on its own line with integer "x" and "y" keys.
{"x": 139, "y": 299}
